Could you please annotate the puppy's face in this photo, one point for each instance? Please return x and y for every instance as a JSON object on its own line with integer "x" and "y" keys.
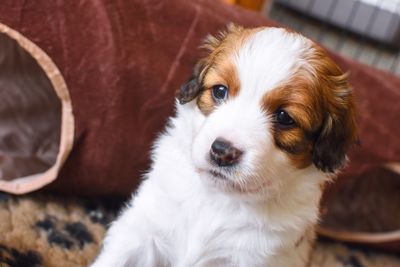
{"x": 274, "y": 106}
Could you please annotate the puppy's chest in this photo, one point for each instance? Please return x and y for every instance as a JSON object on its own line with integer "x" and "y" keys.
{"x": 204, "y": 236}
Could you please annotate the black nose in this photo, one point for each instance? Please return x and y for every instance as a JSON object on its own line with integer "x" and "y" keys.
{"x": 223, "y": 153}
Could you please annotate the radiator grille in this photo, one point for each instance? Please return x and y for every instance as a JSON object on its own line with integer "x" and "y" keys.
{"x": 342, "y": 37}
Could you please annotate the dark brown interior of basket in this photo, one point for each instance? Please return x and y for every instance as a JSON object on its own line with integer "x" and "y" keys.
{"x": 30, "y": 114}
{"x": 369, "y": 203}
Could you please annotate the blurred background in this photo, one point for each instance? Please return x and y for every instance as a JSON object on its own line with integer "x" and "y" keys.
{"x": 365, "y": 30}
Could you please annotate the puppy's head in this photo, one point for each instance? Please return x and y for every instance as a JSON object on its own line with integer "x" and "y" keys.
{"x": 274, "y": 106}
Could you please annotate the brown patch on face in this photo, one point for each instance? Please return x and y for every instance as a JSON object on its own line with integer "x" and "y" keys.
{"x": 304, "y": 108}
{"x": 222, "y": 72}
{"x": 319, "y": 99}
{"x": 219, "y": 67}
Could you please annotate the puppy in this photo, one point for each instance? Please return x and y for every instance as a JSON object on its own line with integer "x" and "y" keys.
{"x": 265, "y": 121}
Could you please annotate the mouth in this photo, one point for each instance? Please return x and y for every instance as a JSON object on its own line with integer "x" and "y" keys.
{"x": 217, "y": 174}
{"x": 224, "y": 181}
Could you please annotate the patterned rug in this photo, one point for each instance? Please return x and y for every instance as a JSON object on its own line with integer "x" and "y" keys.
{"x": 48, "y": 231}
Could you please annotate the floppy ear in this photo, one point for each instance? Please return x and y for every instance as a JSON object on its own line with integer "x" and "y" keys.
{"x": 191, "y": 89}
{"x": 338, "y": 132}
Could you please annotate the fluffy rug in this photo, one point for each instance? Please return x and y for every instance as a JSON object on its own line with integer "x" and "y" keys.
{"x": 47, "y": 231}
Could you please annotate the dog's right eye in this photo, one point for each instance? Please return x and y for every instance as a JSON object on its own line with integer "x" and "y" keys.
{"x": 219, "y": 92}
{"x": 283, "y": 118}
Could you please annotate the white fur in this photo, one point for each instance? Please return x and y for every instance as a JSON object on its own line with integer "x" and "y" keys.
{"x": 182, "y": 216}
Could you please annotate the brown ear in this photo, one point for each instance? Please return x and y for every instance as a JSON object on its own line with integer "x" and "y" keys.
{"x": 191, "y": 89}
{"x": 338, "y": 132}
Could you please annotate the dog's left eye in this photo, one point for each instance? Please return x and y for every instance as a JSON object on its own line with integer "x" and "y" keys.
{"x": 219, "y": 92}
{"x": 283, "y": 118}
